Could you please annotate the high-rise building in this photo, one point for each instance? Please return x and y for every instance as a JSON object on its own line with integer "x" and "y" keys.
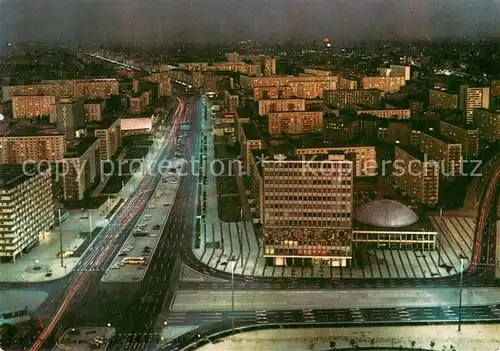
{"x": 249, "y": 140}
{"x": 307, "y": 210}
{"x": 109, "y": 134}
{"x": 93, "y": 89}
{"x": 27, "y": 106}
{"x": 417, "y": 176}
{"x": 70, "y": 116}
{"x": 488, "y": 124}
{"x": 27, "y": 208}
{"x": 467, "y": 136}
{"x": 385, "y": 84}
{"x": 269, "y": 64}
{"x": 295, "y": 122}
{"x": 343, "y": 127}
{"x": 471, "y": 98}
{"x": 29, "y": 90}
{"x": 94, "y": 109}
{"x": 349, "y": 98}
{"x": 279, "y": 105}
{"x": 444, "y": 150}
{"x": 442, "y": 100}
{"x": 273, "y": 92}
{"x": 82, "y": 168}
{"x": 232, "y": 100}
{"x": 20, "y": 147}
{"x": 346, "y": 83}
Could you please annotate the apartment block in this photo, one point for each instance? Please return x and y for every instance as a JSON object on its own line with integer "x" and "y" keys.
{"x": 250, "y": 140}
{"x": 164, "y": 83}
{"x": 307, "y": 210}
{"x": 82, "y": 168}
{"x": 70, "y": 116}
{"x": 306, "y": 87}
{"x": 443, "y": 150}
{"x": 364, "y": 158}
{"x": 93, "y": 89}
{"x": 394, "y": 131}
{"x": 271, "y": 92}
{"x": 396, "y": 71}
{"x": 495, "y": 87}
{"x": 415, "y": 175}
{"x": 346, "y": 83}
{"x": 317, "y": 72}
{"x": 343, "y": 127}
{"x": 467, "y": 136}
{"x": 295, "y": 122}
{"x": 29, "y": 90}
{"x": 21, "y": 147}
{"x": 280, "y": 105}
{"x": 488, "y": 124}
{"x": 27, "y": 208}
{"x": 442, "y": 100}
{"x": 385, "y": 112}
{"x": 109, "y": 134}
{"x": 94, "y": 109}
{"x": 269, "y": 66}
{"x": 471, "y": 98}
{"x": 349, "y": 98}
{"x": 385, "y": 84}
{"x": 27, "y": 106}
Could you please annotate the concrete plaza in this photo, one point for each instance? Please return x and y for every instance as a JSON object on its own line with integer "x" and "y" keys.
{"x": 436, "y": 337}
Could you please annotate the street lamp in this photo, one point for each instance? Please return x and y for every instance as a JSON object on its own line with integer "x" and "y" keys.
{"x": 460, "y": 293}
{"x": 233, "y": 263}
{"x": 90, "y": 226}
{"x": 60, "y": 239}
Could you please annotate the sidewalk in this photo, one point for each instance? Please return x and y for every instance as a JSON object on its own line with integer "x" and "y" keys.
{"x": 80, "y": 339}
{"x": 436, "y": 337}
{"x": 33, "y": 267}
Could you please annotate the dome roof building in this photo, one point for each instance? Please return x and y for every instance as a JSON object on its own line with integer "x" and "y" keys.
{"x": 385, "y": 214}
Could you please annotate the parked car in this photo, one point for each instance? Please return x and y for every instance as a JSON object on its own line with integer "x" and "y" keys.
{"x": 156, "y": 227}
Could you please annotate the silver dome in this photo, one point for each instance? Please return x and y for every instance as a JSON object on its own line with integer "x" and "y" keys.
{"x": 385, "y": 214}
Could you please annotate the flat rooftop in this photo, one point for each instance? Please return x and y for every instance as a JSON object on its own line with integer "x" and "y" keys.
{"x": 104, "y": 124}
{"x": 413, "y": 151}
{"x": 79, "y": 147}
{"x": 12, "y": 175}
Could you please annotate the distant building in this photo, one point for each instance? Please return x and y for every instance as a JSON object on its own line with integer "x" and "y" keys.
{"x": 396, "y": 71}
{"x": 295, "y": 122}
{"x": 70, "y": 117}
{"x": 347, "y": 84}
{"x": 417, "y": 176}
{"x": 307, "y": 217}
{"x": 388, "y": 112}
{"x": 232, "y": 101}
{"x": 94, "y": 109}
{"x": 306, "y": 87}
{"x": 442, "y": 100}
{"x": 488, "y": 124}
{"x": 416, "y": 106}
{"x": 269, "y": 64}
{"x": 467, "y": 136}
{"x": 343, "y": 127}
{"x": 385, "y": 84}
{"x": 109, "y": 134}
{"x": 317, "y": 72}
{"x": 394, "y": 131}
{"x": 249, "y": 140}
{"x": 280, "y": 105}
{"x": 27, "y": 208}
{"x": 34, "y": 106}
{"x": 349, "y": 98}
{"x": 495, "y": 87}
{"x": 22, "y": 147}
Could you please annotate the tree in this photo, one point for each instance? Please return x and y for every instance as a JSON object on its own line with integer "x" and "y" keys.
{"x": 332, "y": 344}
{"x": 352, "y": 342}
{"x": 412, "y": 343}
{"x": 432, "y": 344}
{"x": 372, "y": 342}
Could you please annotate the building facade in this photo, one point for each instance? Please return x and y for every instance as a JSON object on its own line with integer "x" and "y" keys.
{"x": 488, "y": 124}
{"x": 281, "y": 105}
{"x": 389, "y": 113}
{"x": 34, "y": 106}
{"x": 295, "y": 122}
{"x": 443, "y": 150}
{"x": 37, "y": 148}
{"x": 349, "y": 98}
{"x": 416, "y": 176}
{"x": 472, "y": 98}
{"x": 70, "y": 116}
{"x": 306, "y": 87}
{"x": 307, "y": 211}
{"x": 81, "y": 166}
{"x": 442, "y": 100}
{"x": 385, "y": 84}
{"x": 109, "y": 134}
{"x": 27, "y": 208}
{"x": 468, "y": 137}
{"x": 94, "y": 109}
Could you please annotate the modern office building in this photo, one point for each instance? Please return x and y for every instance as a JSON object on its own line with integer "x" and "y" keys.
{"x": 340, "y": 128}
{"x": 307, "y": 210}
{"x": 349, "y": 98}
{"x": 70, "y": 116}
{"x": 415, "y": 175}
{"x": 295, "y": 122}
{"x": 27, "y": 208}
{"x": 27, "y": 106}
{"x": 306, "y": 87}
{"x": 443, "y": 150}
{"x": 471, "y": 98}
{"x": 488, "y": 124}
{"x": 465, "y": 135}
{"x": 81, "y": 168}
{"x": 385, "y": 84}
{"x": 364, "y": 157}
{"x": 109, "y": 134}
{"x": 94, "y": 109}
{"x": 442, "y": 100}
{"x": 232, "y": 101}
{"x": 280, "y": 105}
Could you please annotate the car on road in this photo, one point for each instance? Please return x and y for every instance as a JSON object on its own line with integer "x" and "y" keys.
{"x": 156, "y": 227}
{"x": 153, "y": 235}
{"x": 151, "y": 207}
{"x": 115, "y": 266}
{"x": 122, "y": 254}
{"x": 166, "y": 204}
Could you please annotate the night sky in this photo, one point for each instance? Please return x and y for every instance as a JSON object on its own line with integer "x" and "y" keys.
{"x": 152, "y": 22}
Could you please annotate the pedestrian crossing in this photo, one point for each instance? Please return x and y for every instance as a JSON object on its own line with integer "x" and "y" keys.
{"x": 134, "y": 341}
